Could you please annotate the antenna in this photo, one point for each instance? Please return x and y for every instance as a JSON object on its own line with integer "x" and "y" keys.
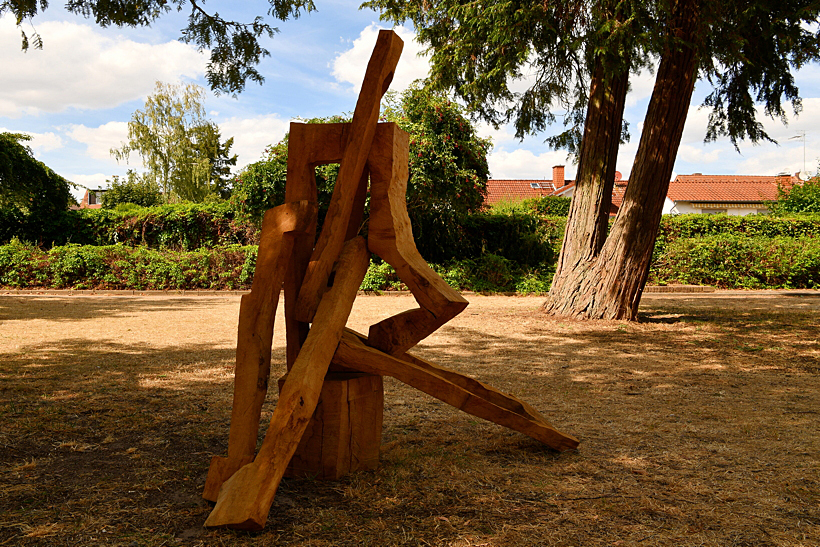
{"x": 801, "y": 135}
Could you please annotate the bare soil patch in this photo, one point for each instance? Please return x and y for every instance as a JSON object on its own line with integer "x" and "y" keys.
{"x": 698, "y": 425}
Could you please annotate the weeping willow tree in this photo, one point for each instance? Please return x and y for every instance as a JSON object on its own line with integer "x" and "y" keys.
{"x": 179, "y": 147}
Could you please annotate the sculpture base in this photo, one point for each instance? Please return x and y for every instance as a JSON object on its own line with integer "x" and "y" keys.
{"x": 345, "y": 431}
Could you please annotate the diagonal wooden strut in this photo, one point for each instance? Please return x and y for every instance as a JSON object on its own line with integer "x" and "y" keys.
{"x": 257, "y": 311}
{"x": 377, "y": 78}
{"x": 462, "y": 392}
{"x": 245, "y": 499}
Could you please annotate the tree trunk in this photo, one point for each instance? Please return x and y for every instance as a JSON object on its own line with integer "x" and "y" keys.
{"x": 610, "y": 285}
{"x": 588, "y": 219}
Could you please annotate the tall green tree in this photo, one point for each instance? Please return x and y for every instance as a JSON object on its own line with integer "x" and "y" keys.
{"x": 747, "y": 49}
{"x": 233, "y": 45}
{"x": 31, "y": 187}
{"x": 207, "y": 141}
{"x": 448, "y": 168}
{"x": 133, "y": 188}
{"x": 180, "y": 148}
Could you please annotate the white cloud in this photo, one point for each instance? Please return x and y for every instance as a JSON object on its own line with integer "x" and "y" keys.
{"x": 40, "y": 142}
{"x": 252, "y": 135}
{"x": 524, "y": 164}
{"x": 640, "y": 87}
{"x": 100, "y": 140}
{"x": 349, "y": 67}
{"x": 84, "y": 67}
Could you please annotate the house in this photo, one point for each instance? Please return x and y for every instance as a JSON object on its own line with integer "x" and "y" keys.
{"x": 731, "y": 194}
{"x": 92, "y": 199}
{"x": 499, "y": 190}
{"x": 696, "y": 193}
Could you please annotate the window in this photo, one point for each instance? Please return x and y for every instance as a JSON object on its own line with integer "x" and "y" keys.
{"x": 92, "y": 198}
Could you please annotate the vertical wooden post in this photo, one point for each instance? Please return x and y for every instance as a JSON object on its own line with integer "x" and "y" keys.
{"x": 344, "y": 434}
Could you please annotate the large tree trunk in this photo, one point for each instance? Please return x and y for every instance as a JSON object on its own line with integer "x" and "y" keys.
{"x": 610, "y": 285}
{"x": 588, "y": 219}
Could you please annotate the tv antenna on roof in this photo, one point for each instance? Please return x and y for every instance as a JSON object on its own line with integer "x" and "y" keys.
{"x": 801, "y": 135}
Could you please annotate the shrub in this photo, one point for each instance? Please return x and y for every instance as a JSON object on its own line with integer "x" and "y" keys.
{"x": 120, "y": 267}
{"x": 735, "y": 261}
{"x": 134, "y": 189}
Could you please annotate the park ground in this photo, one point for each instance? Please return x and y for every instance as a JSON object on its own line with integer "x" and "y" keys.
{"x": 699, "y": 425}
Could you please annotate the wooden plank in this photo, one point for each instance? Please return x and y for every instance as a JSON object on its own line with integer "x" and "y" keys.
{"x": 344, "y": 434}
{"x": 245, "y": 499}
{"x": 257, "y": 312}
{"x": 430, "y": 379}
{"x": 377, "y": 78}
{"x": 309, "y": 145}
{"x": 390, "y": 236}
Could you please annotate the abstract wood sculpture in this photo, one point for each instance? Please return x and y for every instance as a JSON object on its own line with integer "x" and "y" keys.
{"x": 320, "y": 284}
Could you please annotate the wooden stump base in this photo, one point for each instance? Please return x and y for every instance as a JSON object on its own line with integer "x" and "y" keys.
{"x": 345, "y": 431}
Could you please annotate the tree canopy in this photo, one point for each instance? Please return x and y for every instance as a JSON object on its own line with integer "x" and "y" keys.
{"x": 27, "y": 183}
{"x": 523, "y": 62}
{"x": 448, "y": 166}
{"x": 181, "y": 149}
{"x": 798, "y": 198}
{"x": 234, "y": 45}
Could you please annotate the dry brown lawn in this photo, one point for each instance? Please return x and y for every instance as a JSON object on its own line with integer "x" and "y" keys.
{"x": 699, "y": 425}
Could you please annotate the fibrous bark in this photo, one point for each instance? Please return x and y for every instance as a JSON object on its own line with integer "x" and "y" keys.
{"x": 609, "y": 285}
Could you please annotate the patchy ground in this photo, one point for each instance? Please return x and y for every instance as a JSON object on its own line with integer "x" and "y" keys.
{"x": 699, "y": 425}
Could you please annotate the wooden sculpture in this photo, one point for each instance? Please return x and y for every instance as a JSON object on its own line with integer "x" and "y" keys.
{"x": 329, "y": 366}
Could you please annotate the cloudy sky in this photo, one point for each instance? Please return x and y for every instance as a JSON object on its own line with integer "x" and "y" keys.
{"x": 76, "y": 95}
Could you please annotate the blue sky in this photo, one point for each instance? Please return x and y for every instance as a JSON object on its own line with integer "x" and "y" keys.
{"x": 75, "y": 96}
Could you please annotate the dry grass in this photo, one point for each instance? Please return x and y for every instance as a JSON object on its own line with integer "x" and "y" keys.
{"x": 699, "y": 426}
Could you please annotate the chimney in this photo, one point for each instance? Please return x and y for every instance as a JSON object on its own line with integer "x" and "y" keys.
{"x": 785, "y": 181}
{"x": 557, "y": 177}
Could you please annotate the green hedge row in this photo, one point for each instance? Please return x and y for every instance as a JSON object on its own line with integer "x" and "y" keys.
{"x": 119, "y": 267}
{"x": 741, "y": 262}
{"x": 178, "y": 226}
{"x": 113, "y": 267}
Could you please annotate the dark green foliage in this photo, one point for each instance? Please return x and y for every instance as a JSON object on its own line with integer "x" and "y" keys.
{"x": 675, "y": 227}
{"x": 735, "y": 261}
{"x": 549, "y": 205}
{"x": 448, "y": 164}
{"x": 525, "y": 239}
{"x": 801, "y": 198}
{"x": 261, "y": 185}
{"x": 176, "y": 226}
{"x": 32, "y": 196}
{"x": 133, "y": 189}
{"x": 119, "y": 267}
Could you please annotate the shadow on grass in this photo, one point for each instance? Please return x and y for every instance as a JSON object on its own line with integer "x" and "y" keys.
{"x": 76, "y": 308}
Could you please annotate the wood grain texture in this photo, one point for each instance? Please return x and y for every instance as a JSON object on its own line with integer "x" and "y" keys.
{"x": 455, "y": 389}
{"x": 390, "y": 236}
{"x": 257, "y": 311}
{"x": 344, "y": 433}
{"x": 309, "y": 145}
{"x": 377, "y": 78}
{"x": 245, "y": 499}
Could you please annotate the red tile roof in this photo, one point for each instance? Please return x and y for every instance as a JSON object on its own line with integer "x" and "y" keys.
{"x": 691, "y": 188}
{"x": 726, "y": 188}
{"x": 516, "y": 190}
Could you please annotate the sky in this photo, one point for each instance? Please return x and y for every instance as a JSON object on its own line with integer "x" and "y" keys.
{"x": 76, "y": 95}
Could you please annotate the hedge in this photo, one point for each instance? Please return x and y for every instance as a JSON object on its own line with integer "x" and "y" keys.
{"x": 119, "y": 267}
{"x": 734, "y": 261}
{"x": 182, "y": 226}
{"x": 112, "y": 267}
